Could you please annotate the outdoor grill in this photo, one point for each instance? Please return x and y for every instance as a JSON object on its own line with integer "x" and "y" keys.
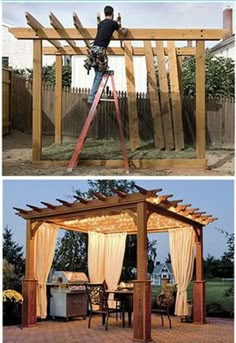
{"x": 68, "y": 296}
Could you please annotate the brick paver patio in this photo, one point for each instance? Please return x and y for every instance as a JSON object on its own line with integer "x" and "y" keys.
{"x": 75, "y": 331}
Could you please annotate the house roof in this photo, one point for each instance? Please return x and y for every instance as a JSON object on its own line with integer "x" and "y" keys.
{"x": 223, "y": 43}
{"x": 158, "y": 268}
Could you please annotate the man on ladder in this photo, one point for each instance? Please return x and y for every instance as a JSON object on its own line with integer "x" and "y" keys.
{"x": 97, "y": 57}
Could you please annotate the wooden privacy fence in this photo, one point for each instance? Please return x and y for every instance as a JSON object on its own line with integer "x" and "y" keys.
{"x": 6, "y": 100}
{"x": 219, "y": 115}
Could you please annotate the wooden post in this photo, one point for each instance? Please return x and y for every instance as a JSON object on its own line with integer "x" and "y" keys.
{"x": 200, "y": 99}
{"x": 58, "y": 101}
{"x": 37, "y": 101}
{"x": 175, "y": 98}
{"x": 29, "y": 282}
{"x": 154, "y": 98}
{"x": 142, "y": 287}
{"x": 199, "y": 314}
{"x": 164, "y": 96}
{"x": 132, "y": 102}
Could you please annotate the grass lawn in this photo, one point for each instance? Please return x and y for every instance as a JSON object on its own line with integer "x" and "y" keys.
{"x": 111, "y": 150}
{"x": 215, "y": 293}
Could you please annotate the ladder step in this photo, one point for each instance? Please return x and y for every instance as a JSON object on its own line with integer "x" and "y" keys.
{"x": 112, "y": 100}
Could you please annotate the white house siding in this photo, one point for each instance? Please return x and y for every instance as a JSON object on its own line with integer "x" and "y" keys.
{"x": 226, "y": 51}
{"x": 81, "y": 79}
{"x": 20, "y": 52}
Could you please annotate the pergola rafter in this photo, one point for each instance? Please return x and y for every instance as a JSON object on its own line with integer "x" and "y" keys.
{"x": 31, "y": 21}
{"x": 60, "y": 29}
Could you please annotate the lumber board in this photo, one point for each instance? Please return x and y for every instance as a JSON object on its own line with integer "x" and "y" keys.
{"x": 133, "y": 34}
{"x": 117, "y": 51}
{"x": 175, "y": 98}
{"x": 136, "y": 164}
{"x": 37, "y": 101}
{"x": 164, "y": 96}
{"x": 154, "y": 98}
{"x": 58, "y": 101}
{"x": 132, "y": 103}
{"x": 200, "y": 99}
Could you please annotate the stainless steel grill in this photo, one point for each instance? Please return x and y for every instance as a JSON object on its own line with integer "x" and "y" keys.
{"x": 68, "y": 294}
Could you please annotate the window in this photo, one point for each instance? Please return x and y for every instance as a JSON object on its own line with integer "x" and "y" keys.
{"x": 5, "y": 61}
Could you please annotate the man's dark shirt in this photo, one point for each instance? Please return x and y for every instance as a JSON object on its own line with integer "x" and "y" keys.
{"x": 105, "y": 30}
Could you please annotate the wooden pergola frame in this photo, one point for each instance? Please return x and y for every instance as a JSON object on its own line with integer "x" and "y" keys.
{"x": 140, "y": 207}
{"x": 58, "y": 33}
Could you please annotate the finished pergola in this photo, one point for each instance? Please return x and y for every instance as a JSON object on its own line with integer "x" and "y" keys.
{"x": 139, "y": 213}
{"x": 167, "y": 121}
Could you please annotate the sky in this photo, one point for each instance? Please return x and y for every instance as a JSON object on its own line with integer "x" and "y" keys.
{"x": 134, "y": 15}
{"x": 216, "y": 197}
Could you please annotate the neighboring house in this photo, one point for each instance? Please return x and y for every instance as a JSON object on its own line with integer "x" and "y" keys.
{"x": 80, "y": 78}
{"x": 226, "y": 47}
{"x": 162, "y": 271}
{"x": 18, "y": 53}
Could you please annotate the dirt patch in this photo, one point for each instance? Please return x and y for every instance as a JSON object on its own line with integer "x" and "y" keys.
{"x": 17, "y": 154}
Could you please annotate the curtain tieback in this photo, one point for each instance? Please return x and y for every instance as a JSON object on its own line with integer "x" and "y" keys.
{"x": 41, "y": 284}
{"x": 182, "y": 290}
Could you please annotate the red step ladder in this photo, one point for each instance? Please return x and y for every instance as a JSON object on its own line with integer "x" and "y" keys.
{"x": 90, "y": 118}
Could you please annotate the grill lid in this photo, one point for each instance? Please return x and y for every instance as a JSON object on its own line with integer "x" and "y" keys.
{"x": 69, "y": 277}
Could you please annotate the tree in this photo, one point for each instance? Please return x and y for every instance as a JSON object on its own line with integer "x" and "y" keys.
{"x": 71, "y": 252}
{"x": 168, "y": 259}
{"x": 68, "y": 245}
{"x": 49, "y": 74}
{"x": 14, "y": 261}
{"x": 219, "y": 76}
{"x": 228, "y": 257}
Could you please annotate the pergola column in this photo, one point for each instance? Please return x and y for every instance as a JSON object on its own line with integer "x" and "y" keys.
{"x": 58, "y": 101}
{"x": 142, "y": 287}
{"x": 37, "y": 101}
{"x": 200, "y": 99}
{"x": 29, "y": 282}
{"x": 199, "y": 314}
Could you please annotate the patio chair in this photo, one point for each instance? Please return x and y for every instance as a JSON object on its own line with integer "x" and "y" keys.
{"x": 98, "y": 303}
{"x": 165, "y": 302}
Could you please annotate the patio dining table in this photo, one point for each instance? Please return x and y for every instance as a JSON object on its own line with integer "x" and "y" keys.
{"x": 126, "y": 299}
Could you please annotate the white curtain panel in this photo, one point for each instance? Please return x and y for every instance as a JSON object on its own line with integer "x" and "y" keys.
{"x": 96, "y": 257}
{"x": 182, "y": 245}
{"x": 114, "y": 257}
{"x": 45, "y": 242}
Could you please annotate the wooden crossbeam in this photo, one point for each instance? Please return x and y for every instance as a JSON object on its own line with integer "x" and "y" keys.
{"x": 34, "y": 208}
{"x": 52, "y": 207}
{"x": 60, "y": 28}
{"x": 173, "y": 203}
{"x": 117, "y": 51}
{"x": 141, "y": 189}
{"x": 82, "y": 200}
{"x": 189, "y": 211}
{"x": 21, "y": 210}
{"x": 65, "y": 203}
{"x": 163, "y": 198}
{"x": 133, "y": 34}
{"x": 31, "y": 21}
{"x": 120, "y": 194}
{"x": 100, "y": 196}
{"x": 182, "y": 207}
{"x": 79, "y": 26}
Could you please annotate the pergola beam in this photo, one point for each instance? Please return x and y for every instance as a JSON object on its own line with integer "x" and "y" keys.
{"x": 60, "y": 29}
{"x": 117, "y": 51}
{"x": 79, "y": 26}
{"x": 32, "y": 22}
{"x": 132, "y": 34}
